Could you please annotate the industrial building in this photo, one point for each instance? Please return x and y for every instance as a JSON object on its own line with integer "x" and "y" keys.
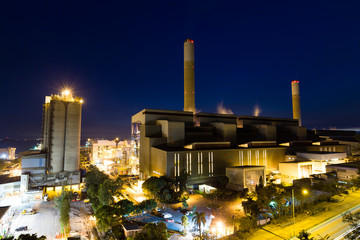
{"x": 206, "y": 144}
{"x": 7, "y": 153}
{"x": 58, "y": 161}
{"x": 117, "y": 156}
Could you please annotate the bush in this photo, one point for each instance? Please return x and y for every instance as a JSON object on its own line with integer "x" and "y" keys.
{"x": 337, "y": 198}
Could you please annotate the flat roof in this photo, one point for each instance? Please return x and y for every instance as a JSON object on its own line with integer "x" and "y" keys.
{"x": 267, "y": 118}
{"x": 297, "y": 161}
{"x": 161, "y": 111}
{"x": 131, "y": 226}
{"x": 322, "y": 153}
{"x": 247, "y": 166}
{"x": 3, "y": 210}
{"x": 7, "y": 179}
{"x": 348, "y": 165}
{"x": 172, "y": 149}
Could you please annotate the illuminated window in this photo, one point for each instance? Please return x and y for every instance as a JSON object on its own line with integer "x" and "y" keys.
{"x": 241, "y": 158}
{"x": 190, "y": 164}
{"x": 211, "y": 164}
{"x": 249, "y": 157}
{"x": 176, "y": 164}
{"x": 265, "y": 158}
{"x": 200, "y": 163}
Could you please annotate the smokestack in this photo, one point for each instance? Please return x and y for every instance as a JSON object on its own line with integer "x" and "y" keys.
{"x": 296, "y": 100}
{"x": 189, "y": 76}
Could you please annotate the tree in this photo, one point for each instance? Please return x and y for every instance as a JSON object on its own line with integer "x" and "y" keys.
{"x": 31, "y": 237}
{"x": 93, "y": 179}
{"x": 184, "y": 222}
{"x": 304, "y": 235}
{"x": 108, "y": 190}
{"x": 199, "y": 219}
{"x": 124, "y": 207}
{"x": 148, "y": 205}
{"x": 62, "y": 203}
{"x": 154, "y": 185}
{"x": 354, "y": 221}
{"x": 25, "y": 237}
{"x": 106, "y": 217}
{"x": 152, "y": 231}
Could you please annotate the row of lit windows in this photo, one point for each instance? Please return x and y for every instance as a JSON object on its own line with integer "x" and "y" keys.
{"x": 249, "y": 157}
{"x": 200, "y": 167}
{"x": 200, "y": 162}
{"x": 326, "y": 149}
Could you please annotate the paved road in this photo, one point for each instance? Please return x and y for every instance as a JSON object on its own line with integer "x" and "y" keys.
{"x": 324, "y": 223}
{"x": 333, "y": 227}
{"x": 44, "y": 222}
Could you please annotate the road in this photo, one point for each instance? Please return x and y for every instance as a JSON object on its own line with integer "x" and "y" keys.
{"x": 328, "y": 222}
{"x": 333, "y": 227}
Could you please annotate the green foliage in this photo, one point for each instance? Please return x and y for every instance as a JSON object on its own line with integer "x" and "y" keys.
{"x": 147, "y": 205}
{"x": 93, "y": 179}
{"x": 25, "y": 237}
{"x": 62, "y": 203}
{"x": 184, "y": 222}
{"x": 152, "y": 231}
{"x": 106, "y": 217}
{"x": 30, "y": 237}
{"x": 102, "y": 192}
{"x": 124, "y": 207}
{"x": 222, "y": 195}
{"x": 354, "y": 221}
{"x": 162, "y": 189}
{"x": 251, "y": 207}
{"x": 304, "y": 235}
{"x": 107, "y": 191}
{"x": 199, "y": 220}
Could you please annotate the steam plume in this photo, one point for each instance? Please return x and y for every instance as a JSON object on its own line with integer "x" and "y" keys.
{"x": 257, "y": 110}
{"x": 223, "y": 110}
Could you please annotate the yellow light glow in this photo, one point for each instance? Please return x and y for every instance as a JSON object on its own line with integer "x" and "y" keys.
{"x": 140, "y": 199}
{"x": 81, "y": 101}
{"x": 66, "y": 92}
{"x": 305, "y": 191}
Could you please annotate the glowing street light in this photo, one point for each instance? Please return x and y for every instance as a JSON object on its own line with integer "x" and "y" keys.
{"x": 304, "y": 191}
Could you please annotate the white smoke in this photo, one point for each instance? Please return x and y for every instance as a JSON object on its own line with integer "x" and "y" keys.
{"x": 257, "y": 110}
{"x": 223, "y": 110}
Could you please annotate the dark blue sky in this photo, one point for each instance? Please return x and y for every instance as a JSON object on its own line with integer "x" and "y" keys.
{"x": 124, "y": 56}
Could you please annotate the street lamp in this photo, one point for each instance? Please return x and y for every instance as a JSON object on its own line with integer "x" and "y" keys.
{"x": 293, "y": 203}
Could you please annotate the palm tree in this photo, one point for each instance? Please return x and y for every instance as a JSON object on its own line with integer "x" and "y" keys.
{"x": 199, "y": 219}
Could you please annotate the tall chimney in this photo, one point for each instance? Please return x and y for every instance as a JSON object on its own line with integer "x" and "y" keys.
{"x": 296, "y": 100}
{"x": 189, "y": 76}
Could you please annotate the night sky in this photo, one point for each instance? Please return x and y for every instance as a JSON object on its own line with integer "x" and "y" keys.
{"x": 124, "y": 56}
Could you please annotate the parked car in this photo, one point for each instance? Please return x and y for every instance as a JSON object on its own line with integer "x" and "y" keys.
{"x": 23, "y": 228}
{"x": 169, "y": 220}
{"x": 166, "y": 215}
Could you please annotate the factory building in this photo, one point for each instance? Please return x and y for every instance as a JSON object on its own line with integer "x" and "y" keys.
{"x": 206, "y": 144}
{"x": 171, "y": 143}
{"x": 7, "y": 153}
{"x": 58, "y": 162}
